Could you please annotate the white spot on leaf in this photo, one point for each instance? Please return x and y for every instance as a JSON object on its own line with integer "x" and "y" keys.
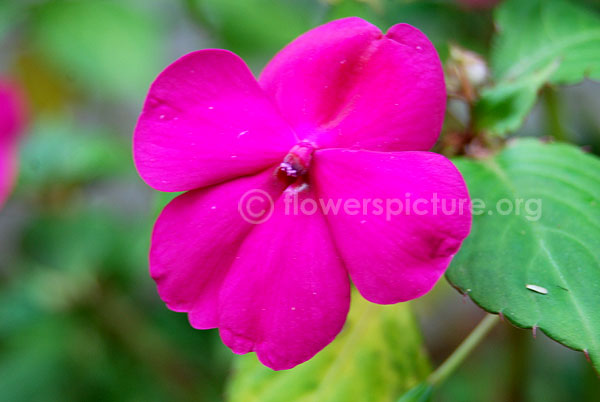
{"x": 537, "y": 289}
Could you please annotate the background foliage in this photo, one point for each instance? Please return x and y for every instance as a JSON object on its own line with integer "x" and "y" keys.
{"x": 80, "y": 318}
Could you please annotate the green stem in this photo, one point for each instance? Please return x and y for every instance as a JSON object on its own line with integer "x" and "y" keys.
{"x": 463, "y": 350}
{"x": 552, "y": 103}
{"x": 518, "y": 343}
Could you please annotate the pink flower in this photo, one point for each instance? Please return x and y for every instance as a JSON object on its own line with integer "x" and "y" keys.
{"x": 12, "y": 122}
{"x": 342, "y": 113}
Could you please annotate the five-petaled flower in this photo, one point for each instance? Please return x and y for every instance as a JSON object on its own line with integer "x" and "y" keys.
{"x": 341, "y": 112}
{"x": 12, "y": 121}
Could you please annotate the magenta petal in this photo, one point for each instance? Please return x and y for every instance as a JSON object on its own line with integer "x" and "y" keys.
{"x": 205, "y": 121}
{"x": 345, "y": 84}
{"x": 287, "y": 296}
{"x": 391, "y": 256}
{"x": 195, "y": 241}
{"x": 12, "y": 121}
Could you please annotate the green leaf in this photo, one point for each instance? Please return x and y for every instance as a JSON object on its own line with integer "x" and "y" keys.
{"x": 538, "y": 41}
{"x": 378, "y": 356}
{"x": 538, "y": 265}
{"x": 503, "y": 108}
{"x": 65, "y": 153}
{"x": 102, "y": 46}
{"x": 420, "y": 393}
{"x": 534, "y": 33}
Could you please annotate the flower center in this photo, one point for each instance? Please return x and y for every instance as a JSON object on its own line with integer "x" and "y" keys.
{"x": 296, "y": 163}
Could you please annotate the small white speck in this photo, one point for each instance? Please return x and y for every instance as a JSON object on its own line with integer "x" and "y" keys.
{"x": 213, "y": 207}
{"x": 162, "y": 116}
{"x": 175, "y": 118}
{"x": 233, "y": 156}
{"x": 396, "y": 104}
{"x": 242, "y": 133}
{"x": 537, "y": 289}
{"x": 314, "y": 293}
{"x": 293, "y": 308}
{"x": 363, "y": 221}
{"x": 211, "y": 107}
{"x": 419, "y": 48}
{"x": 343, "y": 61}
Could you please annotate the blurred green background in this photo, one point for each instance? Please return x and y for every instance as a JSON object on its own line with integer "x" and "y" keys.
{"x": 80, "y": 319}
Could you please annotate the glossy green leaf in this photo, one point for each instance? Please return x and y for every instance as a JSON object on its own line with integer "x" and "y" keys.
{"x": 378, "y": 356}
{"x": 539, "y": 263}
{"x": 102, "y": 46}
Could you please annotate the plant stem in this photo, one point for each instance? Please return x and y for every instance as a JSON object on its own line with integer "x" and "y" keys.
{"x": 518, "y": 343}
{"x": 552, "y": 104}
{"x": 463, "y": 350}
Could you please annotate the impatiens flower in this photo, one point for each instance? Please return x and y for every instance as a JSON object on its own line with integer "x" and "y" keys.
{"x": 343, "y": 112}
{"x": 12, "y": 120}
